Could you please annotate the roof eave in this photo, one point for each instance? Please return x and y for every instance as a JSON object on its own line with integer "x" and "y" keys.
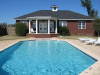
{"x": 49, "y": 18}
{"x": 76, "y": 19}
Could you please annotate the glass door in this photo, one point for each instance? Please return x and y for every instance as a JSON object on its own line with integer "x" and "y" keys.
{"x": 43, "y": 27}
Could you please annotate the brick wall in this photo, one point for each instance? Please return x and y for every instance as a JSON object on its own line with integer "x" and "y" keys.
{"x": 73, "y": 28}
{"x": 42, "y": 35}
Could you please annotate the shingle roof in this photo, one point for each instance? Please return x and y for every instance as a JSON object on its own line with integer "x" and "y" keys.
{"x": 61, "y": 14}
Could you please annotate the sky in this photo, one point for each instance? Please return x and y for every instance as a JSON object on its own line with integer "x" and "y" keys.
{"x": 9, "y": 9}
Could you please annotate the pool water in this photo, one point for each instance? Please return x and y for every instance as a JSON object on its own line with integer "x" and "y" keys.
{"x": 43, "y": 57}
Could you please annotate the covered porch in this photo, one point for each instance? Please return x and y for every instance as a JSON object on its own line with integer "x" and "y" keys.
{"x": 42, "y": 26}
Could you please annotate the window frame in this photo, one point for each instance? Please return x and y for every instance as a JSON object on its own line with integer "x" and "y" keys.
{"x": 63, "y": 23}
{"x": 81, "y": 24}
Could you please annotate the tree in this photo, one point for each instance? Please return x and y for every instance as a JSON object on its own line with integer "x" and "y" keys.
{"x": 88, "y": 5}
{"x": 93, "y": 13}
{"x": 3, "y": 29}
{"x": 97, "y": 26}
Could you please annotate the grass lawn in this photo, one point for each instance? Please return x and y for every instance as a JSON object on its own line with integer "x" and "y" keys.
{"x": 10, "y": 37}
{"x": 75, "y": 37}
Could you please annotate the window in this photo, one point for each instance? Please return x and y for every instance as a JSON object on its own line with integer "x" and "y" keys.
{"x": 62, "y": 23}
{"x": 81, "y": 25}
{"x": 34, "y": 25}
{"x": 52, "y": 26}
{"x": 54, "y": 8}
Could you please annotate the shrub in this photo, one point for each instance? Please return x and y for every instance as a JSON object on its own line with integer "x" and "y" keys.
{"x": 63, "y": 30}
{"x": 21, "y": 29}
{"x": 97, "y": 26}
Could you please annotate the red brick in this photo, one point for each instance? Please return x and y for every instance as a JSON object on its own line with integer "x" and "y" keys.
{"x": 42, "y": 35}
{"x": 73, "y": 28}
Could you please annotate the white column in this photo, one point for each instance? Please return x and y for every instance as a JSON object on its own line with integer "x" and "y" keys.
{"x": 29, "y": 26}
{"x": 48, "y": 26}
{"x": 56, "y": 29}
{"x": 36, "y": 26}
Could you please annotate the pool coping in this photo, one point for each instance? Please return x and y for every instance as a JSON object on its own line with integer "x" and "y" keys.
{"x": 89, "y": 71}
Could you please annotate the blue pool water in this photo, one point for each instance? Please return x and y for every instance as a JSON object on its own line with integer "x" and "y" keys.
{"x": 43, "y": 57}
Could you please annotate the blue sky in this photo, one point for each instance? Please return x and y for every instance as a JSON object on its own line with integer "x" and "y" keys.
{"x": 10, "y": 9}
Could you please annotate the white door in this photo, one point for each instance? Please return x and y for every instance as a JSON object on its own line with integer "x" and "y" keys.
{"x": 43, "y": 27}
{"x": 52, "y": 28}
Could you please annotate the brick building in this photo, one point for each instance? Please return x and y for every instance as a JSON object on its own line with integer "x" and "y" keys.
{"x": 44, "y": 23}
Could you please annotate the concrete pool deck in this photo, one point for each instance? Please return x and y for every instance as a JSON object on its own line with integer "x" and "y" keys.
{"x": 91, "y": 50}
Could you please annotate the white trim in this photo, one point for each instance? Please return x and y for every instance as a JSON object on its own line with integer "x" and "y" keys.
{"x": 56, "y": 28}
{"x": 76, "y": 19}
{"x": 42, "y": 17}
{"x": 38, "y": 17}
{"x": 51, "y": 18}
{"x": 85, "y": 25}
{"x": 81, "y": 25}
{"x": 48, "y": 26}
{"x": 36, "y": 26}
{"x": 29, "y": 26}
{"x": 63, "y": 23}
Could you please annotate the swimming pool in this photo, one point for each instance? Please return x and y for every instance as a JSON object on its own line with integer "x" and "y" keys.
{"x": 43, "y": 57}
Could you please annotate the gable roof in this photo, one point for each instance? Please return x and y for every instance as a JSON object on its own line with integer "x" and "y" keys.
{"x": 60, "y": 14}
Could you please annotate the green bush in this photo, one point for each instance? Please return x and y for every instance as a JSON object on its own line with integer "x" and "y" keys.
{"x": 63, "y": 30}
{"x": 97, "y": 26}
{"x": 21, "y": 29}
